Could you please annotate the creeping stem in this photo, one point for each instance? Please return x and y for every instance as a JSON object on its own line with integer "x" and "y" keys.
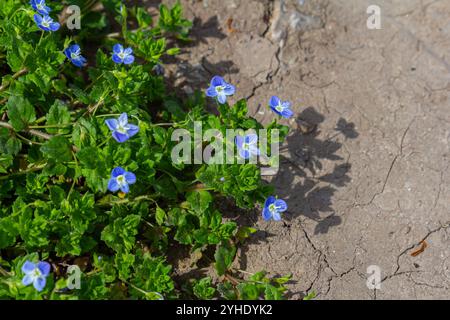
{"x": 14, "y": 77}
{"x": 33, "y": 132}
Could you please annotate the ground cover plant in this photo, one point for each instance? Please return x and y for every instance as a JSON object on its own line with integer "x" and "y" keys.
{"x": 91, "y": 201}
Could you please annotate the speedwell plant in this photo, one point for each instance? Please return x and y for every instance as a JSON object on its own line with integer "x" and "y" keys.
{"x": 86, "y": 177}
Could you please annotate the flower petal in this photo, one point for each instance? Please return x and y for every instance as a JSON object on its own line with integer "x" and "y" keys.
{"x": 44, "y": 268}
{"x": 37, "y": 19}
{"x": 132, "y": 130}
{"x": 239, "y": 141}
{"x": 244, "y": 154}
{"x": 274, "y": 101}
{"x": 75, "y": 48}
{"x": 217, "y": 81}
{"x": 27, "y": 280}
{"x": 281, "y": 205}
{"x": 118, "y": 171}
{"x": 54, "y": 26}
{"x": 125, "y": 188}
{"x": 222, "y": 98}
{"x": 211, "y": 92}
{"x": 229, "y": 89}
{"x": 112, "y": 124}
{"x": 80, "y": 62}
{"x": 128, "y": 51}
{"x": 286, "y": 105}
{"x": 130, "y": 177}
{"x": 39, "y": 283}
{"x": 276, "y": 216}
{"x": 270, "y": 200}
{"x": 117, "y": 59}
{"x": 120, "y": 137}
{"x": 67, "y": 52}
{"x": 28, "y": 267}
{"x": 123, "y": 119}
{"x": 267, "y": 215}
{"x": 128, "y": 59}
{"x": 251, "y": 138}
{"x": 287, "y": 113}
{"x": 113, "y": 186}
{"x": 46, "y": 10}
{"x": 254, "y": 151}
{"x": 118, "y": 48}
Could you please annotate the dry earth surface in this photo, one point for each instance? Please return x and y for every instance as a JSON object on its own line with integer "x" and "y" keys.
{"x": 371, "y": 184}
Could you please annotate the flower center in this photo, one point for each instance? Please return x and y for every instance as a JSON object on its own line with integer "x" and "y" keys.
{"x": 245, "y": 146}
{"x": 220, "y": 89}
{"x": 272, "y": 208}
{"x": 279, "y": 108}
{"x": 40, "y": 6}
{"x": 74, "y": 56}
{"x": 122, "y": 55}
{"x": 36, "y": 273}
{"x": 121, "y": 129}
{"x": 46, "y": 22}
{"x": 121, "y": 180}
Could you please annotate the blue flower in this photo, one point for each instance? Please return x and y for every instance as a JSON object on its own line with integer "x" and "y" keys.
{"x": 73, "y": 53}
{"x": 247, "y": 145}
{"x": 121, "y": 180}
{"x": 121, "y": 55}
{"x": 281, "y": 108}
{"x": 39, "y": 6}
{"x": 220, "y": 89}
{"x": 46, "y": 23}
{"x": 273, "y": 208}
{"x": 122, "y": 130}
{"x": 36, "y": 274}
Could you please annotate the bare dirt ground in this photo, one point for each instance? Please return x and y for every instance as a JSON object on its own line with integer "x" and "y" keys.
{"x": 371, "y": 185}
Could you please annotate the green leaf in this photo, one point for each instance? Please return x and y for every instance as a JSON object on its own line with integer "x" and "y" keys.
{"x": 199, "y": 200}
{"x": 120, "y": 234}
{"x": 160, "y": 216}
{"x": 58, "y": 115}
{"x": 57, "y": 148}
{"x": 88, "y": 157}
{"x": 225, "y": 254}
{"x": 143, "y": 18}
{"x": 203, "y": 289}
{"x": 20, "y": 112}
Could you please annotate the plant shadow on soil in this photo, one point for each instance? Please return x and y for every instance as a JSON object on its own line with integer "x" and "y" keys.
{"x": 312, "y": 195}
{"x": 299, "y": 181}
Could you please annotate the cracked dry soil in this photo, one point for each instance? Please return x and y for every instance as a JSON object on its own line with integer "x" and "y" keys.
{"x": 371, "y": 185}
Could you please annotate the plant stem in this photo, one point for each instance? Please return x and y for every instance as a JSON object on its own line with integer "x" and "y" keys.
{"x": 4, "y": 273}
{"x": 14, "y": 77}
{"x": 56, "y": 126}
{"x": 32, "y": 169}
{"x": 33, "y": 132}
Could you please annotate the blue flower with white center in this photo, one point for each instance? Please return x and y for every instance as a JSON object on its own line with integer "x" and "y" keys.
{"x": 273, "y": 208}
{"x": 121, "y": 129}
{"x": 121, "y": 180}
{"x": 281, "y": 108}
{"x": 221, "y": 89}
{"x": 36, "y": 274}
{"x": 247, "y": 146}
{"x": 39, "y": 6}
{"x": 121, "y": 55}
{"x": 73, "y": 53}
{"x": 46, "y": 23}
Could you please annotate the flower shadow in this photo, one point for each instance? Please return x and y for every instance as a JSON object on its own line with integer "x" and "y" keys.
{"x": 312, "y": 169}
